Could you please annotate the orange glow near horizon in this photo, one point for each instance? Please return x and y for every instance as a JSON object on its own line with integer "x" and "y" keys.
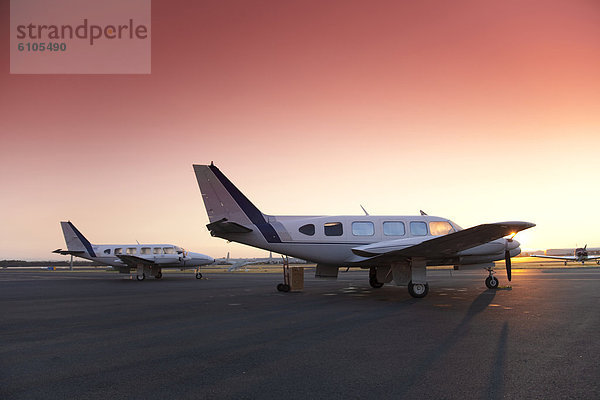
{"x": 474, "y": 111}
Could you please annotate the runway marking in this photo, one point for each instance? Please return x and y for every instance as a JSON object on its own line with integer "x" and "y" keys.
{"x": 494, "y": 305}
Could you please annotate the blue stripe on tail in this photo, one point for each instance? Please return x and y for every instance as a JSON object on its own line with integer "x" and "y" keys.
{"x": 248, "y": 208}
{"x": 86, "y": 243}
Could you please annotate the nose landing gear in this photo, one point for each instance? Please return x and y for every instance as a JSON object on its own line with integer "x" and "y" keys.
{"x": 491, "y": 281}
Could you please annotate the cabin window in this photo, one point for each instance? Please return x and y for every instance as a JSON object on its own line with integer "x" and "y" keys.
{"x": 418, "y": 228}
{"x": 438, "y": 228}
{"x": 131, "y": 250}
{"x": 157, "y": 250}
{"x": 169, "y": 250}
{"x": 334, "y": 229}
{"x": 118, "y": 250}
{"x": 394, "y": 228}
{"x": 363, "y": 228}
{"x": 107, "y": 251}
{"x": 145, "y": 250}
{"x": 308, "y": 229}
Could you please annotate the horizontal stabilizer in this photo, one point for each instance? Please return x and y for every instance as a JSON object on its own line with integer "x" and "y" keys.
{"x": 67, "y": 252}
{"x": 224, "y": 226}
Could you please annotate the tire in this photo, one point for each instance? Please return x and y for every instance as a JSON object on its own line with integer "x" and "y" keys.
{"x": 198, "y": 275}
{"x": 418, "y": 290}
{"x": 141, "y": 277}
{"x": 286, "y": 288}
{"x": 374, "y": 284}
{"x": 280, "y": 287}
{"x": 491, "y": 282}
{"x": 158, "y": 276}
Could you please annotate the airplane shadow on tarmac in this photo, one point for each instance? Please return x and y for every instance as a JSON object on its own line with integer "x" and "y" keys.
{"x": 495, "y": 389}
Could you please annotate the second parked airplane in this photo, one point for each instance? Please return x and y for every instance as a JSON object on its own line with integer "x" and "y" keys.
{"x": 397, "y": 248}
{"x": 146, "y": 259}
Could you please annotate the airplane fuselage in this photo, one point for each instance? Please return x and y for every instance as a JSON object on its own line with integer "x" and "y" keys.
{"x": 164, "y": 255}
{"x": 331, "y": 239}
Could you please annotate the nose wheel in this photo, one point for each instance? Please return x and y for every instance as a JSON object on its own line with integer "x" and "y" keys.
{"x": 491, "y": 281}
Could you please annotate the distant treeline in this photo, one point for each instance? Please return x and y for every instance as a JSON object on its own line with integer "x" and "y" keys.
{"x": 21, "y": 263}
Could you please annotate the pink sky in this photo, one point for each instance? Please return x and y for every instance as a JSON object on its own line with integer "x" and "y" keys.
{"x": 477, "y": 111}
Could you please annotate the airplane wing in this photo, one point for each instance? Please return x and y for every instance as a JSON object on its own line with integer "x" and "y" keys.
{"x": 451, "y": 243}
{"x": 566, "y": 258}
{"x": 134, "y": 261}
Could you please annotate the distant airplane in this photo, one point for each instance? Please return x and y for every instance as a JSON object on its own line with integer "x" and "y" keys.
{"x": 394, "y": 248}
{"x": 579, "y": 255}
{"x": 144, "y": 258}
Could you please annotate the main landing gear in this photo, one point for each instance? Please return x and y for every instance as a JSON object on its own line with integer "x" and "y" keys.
{"x": 198, "y": 274}
{"x": 141, "y": 277}
{"x": 418, "y": 290}
{"x": 491, "y": 281}
{"x": 373, "y": 279}
{"x": 158, "y": 275}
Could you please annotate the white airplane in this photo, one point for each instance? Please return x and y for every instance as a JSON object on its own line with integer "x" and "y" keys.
{"x": 579, "y": 255}
{"x": 394, "y": 248}
{"x": 144, "y": 258}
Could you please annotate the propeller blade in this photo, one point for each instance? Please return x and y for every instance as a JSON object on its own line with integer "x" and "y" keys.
{"x": 508, "y": 264}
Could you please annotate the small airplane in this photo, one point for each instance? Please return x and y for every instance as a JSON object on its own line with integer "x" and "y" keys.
{"x": 579, "y": 255}
{"x": 397, "y": 248}
{"x": 144, "y": 258}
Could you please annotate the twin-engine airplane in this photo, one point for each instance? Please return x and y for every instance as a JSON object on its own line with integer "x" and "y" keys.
{"x": 397, "y": 248}
{"x": 146, "y": 259}
{"x": 579, "y": 255}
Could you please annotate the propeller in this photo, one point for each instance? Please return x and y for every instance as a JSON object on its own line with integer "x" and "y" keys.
{"x": 507, "y": 260}
{"x": 508, "y": 264}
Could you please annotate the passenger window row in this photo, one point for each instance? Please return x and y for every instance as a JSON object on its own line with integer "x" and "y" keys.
{"x": 390, "y": 228}
{"x": 143, "y": 250}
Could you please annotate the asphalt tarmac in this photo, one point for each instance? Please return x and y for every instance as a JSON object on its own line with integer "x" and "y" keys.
{"x": 96, "y": 335}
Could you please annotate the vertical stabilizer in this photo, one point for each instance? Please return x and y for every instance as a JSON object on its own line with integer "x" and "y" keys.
{"x": 75, "y": 239}
{"x": 225, "y": 202}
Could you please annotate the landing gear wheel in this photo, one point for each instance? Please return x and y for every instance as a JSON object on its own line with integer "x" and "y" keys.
{"x": 418, "y": 290}
{"x": 282, "y": 287}
{"x": 141, "y": 277}
{"x": 158, "y": 276}
{"x": 198, "y": 275}
{"x": 491, "y": 282}
{"x": 374, "y": 283}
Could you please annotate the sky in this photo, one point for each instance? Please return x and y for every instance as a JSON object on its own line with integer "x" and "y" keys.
{"x": 476, "y": 111}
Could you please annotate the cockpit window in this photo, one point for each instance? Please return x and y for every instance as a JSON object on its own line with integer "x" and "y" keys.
{"x": 308, "y": 229}
{"x": 438, "y": 228}
{"x": 334, "y": 229}
{"x": 418, "y": 228}
{"x": 118, "y": 250}
{"x": 107, "y": 251}
{"x": 169, "y": 250}
{"x": 361, "y": 228}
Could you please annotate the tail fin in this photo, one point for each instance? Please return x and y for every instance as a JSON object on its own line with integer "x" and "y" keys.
{"x": 225, "y": 202}
{"x": 75, "y": 240}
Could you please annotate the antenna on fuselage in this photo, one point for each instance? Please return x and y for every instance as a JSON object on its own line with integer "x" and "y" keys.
{"x": 137, "y": 242}
{"x": 423, "y": 212}
{"x": 365, "y": 211}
